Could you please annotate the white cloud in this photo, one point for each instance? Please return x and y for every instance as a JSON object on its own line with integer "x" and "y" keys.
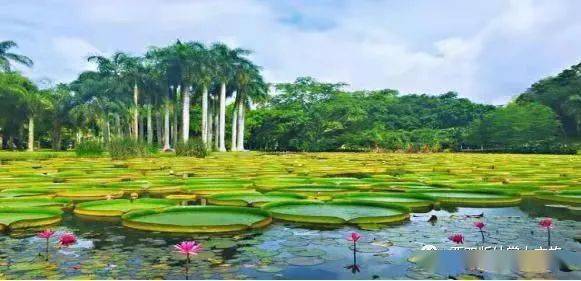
{"x": 485, "y": 51}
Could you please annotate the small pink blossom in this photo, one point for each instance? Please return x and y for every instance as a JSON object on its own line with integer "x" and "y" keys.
{"x": 457, "y": 238}
{"x": 354, "y": 237}
{"x": 546, "y": 223}
{"x": 479, "y": 225}
{"x": 189, "y": 248}
{"x": 45, "y": 234}
{"x": 67, "y": 239}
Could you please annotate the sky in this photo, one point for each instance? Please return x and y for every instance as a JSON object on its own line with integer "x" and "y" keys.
{"x": 488, "y": 51}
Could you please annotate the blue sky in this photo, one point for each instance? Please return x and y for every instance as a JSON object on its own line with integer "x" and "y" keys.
{"x": 488, "y": 51}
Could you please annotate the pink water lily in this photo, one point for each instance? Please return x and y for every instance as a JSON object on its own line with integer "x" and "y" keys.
{"x": 188, "y": 248}
{"x": 480, "y": 225}
{"x": 45, "y": 234}
{"x": 67, "y": 239}
{"x": 354, "y": 237}
{"x": 457, "y": 238}
{"x": 546, "y": 223}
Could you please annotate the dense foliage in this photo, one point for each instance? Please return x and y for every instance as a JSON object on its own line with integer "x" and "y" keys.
{"x": 192, "y": 148}
{"x": 124, "y": 148}
{"x": 562, "y": 94}
{"x": 89, "y": 149}
{"x": 312, "y": 116}
{"x": 133, "y": 104}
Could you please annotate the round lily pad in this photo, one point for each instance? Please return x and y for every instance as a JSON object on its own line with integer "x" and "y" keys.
{"x": 197, "y": 219}
{"x": 570, "y": 197}
{"x": 18, "y": 218}
{"x": 313, "y": 190}
{"x": 118, "y": 207}
{"x": 337, "y": 212}
{"x": 251, "y": 198}
{"x": 89, "y": 194}
{"x": 475, "y": 198}
{"x": 26, "y": 202}
{"x": 414, "y": 201}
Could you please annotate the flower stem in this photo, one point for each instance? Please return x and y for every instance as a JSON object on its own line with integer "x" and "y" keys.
{"x": 482, "y": 233}
{"x": 549, "y": 237}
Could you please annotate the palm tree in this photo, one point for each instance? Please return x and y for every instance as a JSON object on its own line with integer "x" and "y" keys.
{"x": 250, "y": 88}
{"x": 225, "y": 58}
{"x": 6, "y": 57}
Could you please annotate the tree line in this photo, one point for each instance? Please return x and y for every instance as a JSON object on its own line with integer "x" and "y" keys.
{"x": 145, "y": 97}
{"x": 172, "y": 93}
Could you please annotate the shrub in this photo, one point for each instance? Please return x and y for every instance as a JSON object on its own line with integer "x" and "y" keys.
{"x": 194, "y": 147}
{"x": 89, "y": 149}
{"x": 124, "y": 148}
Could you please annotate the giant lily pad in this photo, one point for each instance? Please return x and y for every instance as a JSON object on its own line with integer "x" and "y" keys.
{"x": 338, "y": 212}
{"x": 475, "y": 197}
{"x": 251, "y": 198}
{"x": 414, "y": 201}
{"x": 118, "y": 207}
{"x": 89, "y": 194}
{"x": 197, "y": 219}
{"x": 26, "y": 202}
{"x": 19, "y": 218}
{"x": 571, "y": 197}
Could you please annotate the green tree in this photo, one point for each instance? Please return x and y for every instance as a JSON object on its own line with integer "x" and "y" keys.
{"x": 515, "y": 126}
{"x": 6, "y": 56}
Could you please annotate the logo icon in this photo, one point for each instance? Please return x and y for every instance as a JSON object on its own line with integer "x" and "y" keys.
{"x": 429, "y": 248}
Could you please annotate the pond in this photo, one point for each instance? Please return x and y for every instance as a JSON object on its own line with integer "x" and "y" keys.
{"x": 107, "y": 250}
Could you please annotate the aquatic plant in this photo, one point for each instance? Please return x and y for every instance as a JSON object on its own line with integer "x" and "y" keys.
{"x": 457, "y": 238}
{"x": 67, "y": 239}
{"x": 354, "y": 237}
{"x": 480, "y": 225}
{"x": 46, "y": 234}
{"x": 188, "y": 249}
{"x": 547, "y": 223}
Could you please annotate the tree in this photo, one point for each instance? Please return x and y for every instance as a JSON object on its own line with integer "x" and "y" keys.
{"x": 514, "y": 126}
{"x": 225, "y": 58}
{"x": 23, "y": 93}
{"x": 560, "y": 93}
{"x": 6, "y": 56}
{"x": 250, "y": 88}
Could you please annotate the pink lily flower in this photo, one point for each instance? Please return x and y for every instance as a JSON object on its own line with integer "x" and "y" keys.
{"x": 354, "y": 237}
{"x": 480, "y": 225}
{"x": 67, "y": 239}
{"x": 188, "y": 248}
{"x": 457, "y": 238}
{"x": 45, "y": 234}
{"x": 546, "y": 223}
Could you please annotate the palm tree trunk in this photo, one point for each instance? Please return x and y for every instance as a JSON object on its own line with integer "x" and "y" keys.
{"x": 216, "y": 126}
{"x": 241, "y": 119}
{"x": 118, "y": 125}
{"x": 166, "y": 129}
{"x": 186, "y": 115}
{"x": 136, "y": 112}
{"x": 158, "y": 128}
{"x": 234, "y": 145}
{"x": 222, "y": 138}
{"x": 141, "y": 129}
{"x": 31, "y": 133}
{"x": 210, "y": 132}
{"x": 107, "y": 131}
{"x": 241, "y": 116}
{"x": 149, "y": 126}
{"x": 205, "y": 115}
